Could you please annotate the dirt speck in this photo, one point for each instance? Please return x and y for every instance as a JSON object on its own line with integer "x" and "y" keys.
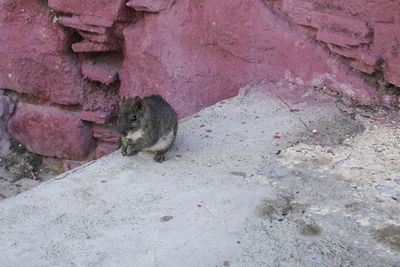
{"x": 389, "y": 235}
{"x": 265, "y": 210}
{"x": 237, "y": 173}
{"x": 166, "y": 218}
{"x": 352, "y": 206}
{"x": 308, "y": 229}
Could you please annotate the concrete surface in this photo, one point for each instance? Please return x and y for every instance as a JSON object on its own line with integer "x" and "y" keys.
{"x": 251, "y": 181}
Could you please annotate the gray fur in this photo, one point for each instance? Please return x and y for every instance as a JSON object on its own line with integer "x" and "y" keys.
{"x": 149, "y": 119}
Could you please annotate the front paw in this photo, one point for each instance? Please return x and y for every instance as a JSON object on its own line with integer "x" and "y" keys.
{"x": 158, "y": 157}
{"x": 123, "y": 150}
{"x": 131, "y": 150}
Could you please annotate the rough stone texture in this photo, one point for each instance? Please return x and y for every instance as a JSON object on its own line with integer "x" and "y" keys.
{"x": 105, "y": 148}
{"x": 98, "y": 117}
{"x": 71, "y": 164}
{"x": 51, "y": 132}
{"x": 104, "y": 9}
{"x": 76, "y": 23}
{"x": 101, "y": 73}
{"x": 106, "y": 134}
{"x": 212, "y": 49}
{"x": 6, "y": 110}
{"x": 108, "y": 140}
{"x": 34, "y": 53}
{"x": 149, "y": 5}
{"x": 99, "y": 97}
{"x": 196, "y": 53}
{"x": 373, "y": 27}
{"x": 87, "y": 46}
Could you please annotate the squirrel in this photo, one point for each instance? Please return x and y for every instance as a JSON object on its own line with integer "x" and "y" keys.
{"x": 147, "y": 124}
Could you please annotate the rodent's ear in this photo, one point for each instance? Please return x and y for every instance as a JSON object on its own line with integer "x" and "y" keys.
{"x": 139, "y": 103}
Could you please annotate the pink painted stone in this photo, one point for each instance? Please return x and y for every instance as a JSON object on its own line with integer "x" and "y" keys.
{"x": 76, "y": 23}
{"x": 205, "y": 55}
{"x": 194, "y": 53}
{"x": 97, "y": 38}
{"x": 99, "y": 8}
{"x": 71, "y": 164}
{"x": 387, "y": 47}
{"x": 87, "y": 46}
{"x": 96, "y": 21}
{"x": 35, "y": 56}
{"x": 390, "y": 101}
{"x": 308, "y": 14}
{"x": 340, "y": 39}
{"x": 51, "y": 132}
{"x": 385, "y": 11}
{"x": 105, "y": 74}
{"x": 149, "y": 5}
{"x": 361, "y": 55}
{"x": 105, "y": 134}
{"x": 99, "y": 117}
{"x": 392, "y": 70}
{"x": 362, "y": 67}
{"x": 385, "y": 36}
{"x": 105, "y": 148}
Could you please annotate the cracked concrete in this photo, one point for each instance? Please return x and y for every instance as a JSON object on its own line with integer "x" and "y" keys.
{"x": 251, "y": 181}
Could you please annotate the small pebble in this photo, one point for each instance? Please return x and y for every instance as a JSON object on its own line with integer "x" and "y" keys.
{"x": 166, "y": 218}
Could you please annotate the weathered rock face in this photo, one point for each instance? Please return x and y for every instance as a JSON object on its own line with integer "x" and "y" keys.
{"x": 77, "y": 58}
{"x": 215, "y": 47}
{"x": 364, "y": 34}
{"x": 51, "y": 132}
{"x": 34, "y": 54}
{"x": 6, "y": 110}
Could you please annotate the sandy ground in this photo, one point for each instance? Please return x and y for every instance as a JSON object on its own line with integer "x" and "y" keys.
{"x": 251, "y": 181}
{"x": 21, "y": 170}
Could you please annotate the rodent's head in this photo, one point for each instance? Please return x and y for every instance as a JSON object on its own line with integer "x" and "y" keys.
{"x": 131, "y": 115}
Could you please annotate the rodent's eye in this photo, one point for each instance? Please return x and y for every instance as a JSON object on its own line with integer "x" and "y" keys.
{"x": 132, "y": 118}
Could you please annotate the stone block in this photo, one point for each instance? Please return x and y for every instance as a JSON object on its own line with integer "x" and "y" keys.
{"x": 149, "y": 5}
{"x": 87, "y": 46}
{"x": 99, "y": 117}
{"x": 105, "y": 148}
{"x": 105, "y": 134}
{"x": 105, "y": 9}
{"x": 76, "y": 23}
{"x": 103, "y": 73}
{"x": 340, "y": 38}
{"x": 51, "y": 132}
{"x": 35, "y": 56}
{"x": 392, "y": 71}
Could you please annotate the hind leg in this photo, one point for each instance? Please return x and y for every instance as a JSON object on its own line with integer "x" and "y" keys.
{"x": 129, "y": 150}
{"x": 159, "y": 156}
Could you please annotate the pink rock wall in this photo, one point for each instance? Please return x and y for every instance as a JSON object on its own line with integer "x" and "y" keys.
{"x": 70, "y": 61}
{"x": 364, "y": 34}
{"x": 51, "y": 131}
{"x": 34, "y": 52}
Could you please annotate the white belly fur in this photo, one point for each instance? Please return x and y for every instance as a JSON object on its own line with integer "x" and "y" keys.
{"x": 135, "y": 135}
{"x": 162, "y": 143}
